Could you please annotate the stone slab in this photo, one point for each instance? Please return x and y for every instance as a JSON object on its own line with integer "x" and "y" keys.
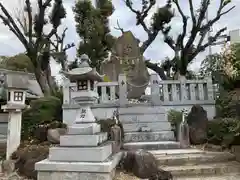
{"x": 59, "y": 175}
{"x": 106, "y": 166}
{"x": 78, "y": 154}
{"x": 152, "y": 145}
{"x": 149, "y": 136}
{"x": 88, "y": 128}
{"x": 142, "y": 110}
{"x": 137, "y": 118}
{"x": 203, "y": 169}
{"x": 159, "y": 126}
{"x": 83, "y": 140}
{"x": 194, "y": 159}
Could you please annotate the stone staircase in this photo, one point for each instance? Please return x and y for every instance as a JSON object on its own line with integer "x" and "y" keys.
{"x": 147, "y": 127}
{"x": 194, "y": 164}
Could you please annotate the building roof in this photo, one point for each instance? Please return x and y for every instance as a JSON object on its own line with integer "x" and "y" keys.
{"x": 22, "y": 80}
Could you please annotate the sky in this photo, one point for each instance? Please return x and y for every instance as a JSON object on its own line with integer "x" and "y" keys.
{"x": 157, "y": 51}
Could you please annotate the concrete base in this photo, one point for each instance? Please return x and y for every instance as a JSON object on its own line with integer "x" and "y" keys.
{"x": 83, "y": 140}
{"x": 80, "y": 154}
{"x": 149, "y": 136}
{"x": 50, "y": 170}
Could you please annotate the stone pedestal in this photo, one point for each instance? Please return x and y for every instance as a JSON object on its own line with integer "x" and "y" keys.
{"x": 83, "y": 154}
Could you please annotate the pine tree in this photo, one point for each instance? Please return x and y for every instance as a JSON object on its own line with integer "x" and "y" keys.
{"x": 93, "y": 28}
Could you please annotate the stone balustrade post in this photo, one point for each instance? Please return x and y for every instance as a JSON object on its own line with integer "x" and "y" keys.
{"x": 155, "y": 90}
{"x": 122, "y": 82}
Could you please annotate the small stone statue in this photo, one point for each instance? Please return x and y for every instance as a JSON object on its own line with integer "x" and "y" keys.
{"x": 116, "y": 133}
{"x": 184, "y": 131}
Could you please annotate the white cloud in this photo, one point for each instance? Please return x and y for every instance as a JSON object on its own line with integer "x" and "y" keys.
{"x": 157, "y": 51}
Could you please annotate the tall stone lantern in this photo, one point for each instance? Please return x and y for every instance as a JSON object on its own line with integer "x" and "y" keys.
{"x": 84, "y": 152}
{"x": 84, "y": 76}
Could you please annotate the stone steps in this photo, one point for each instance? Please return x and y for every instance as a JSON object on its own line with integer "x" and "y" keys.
{"x": 222, "y": 177}
{"x": 151, "y": 145}
{"x": 203, "y": 169}
{"x": 194, "y": 159}
{"x": 149, "y": 136}
{"x": 153, "y": 126}
{"x": 194, "y": 164}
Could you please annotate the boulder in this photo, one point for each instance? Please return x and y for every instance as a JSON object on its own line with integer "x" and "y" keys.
{"x": 53, "y": 135}
{"x": 26, "y": 157}
{"x": 40, "y": 133}
{"x": 143, "y": 165}
{"x": 197, "y": 121}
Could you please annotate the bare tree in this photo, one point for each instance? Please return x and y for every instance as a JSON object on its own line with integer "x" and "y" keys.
{"x": 29, "y": 29}
{"x": 185, "y": 48}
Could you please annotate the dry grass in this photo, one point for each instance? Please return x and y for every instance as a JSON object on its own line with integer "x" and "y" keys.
{"x": 123, "y": 176}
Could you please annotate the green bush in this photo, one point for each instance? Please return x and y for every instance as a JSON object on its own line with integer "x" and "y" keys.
{"x": 42, "y": 111}
{"x": 175, "y": 118}
{"x": 224, "y": 132}
{"x": 228, "y": 105}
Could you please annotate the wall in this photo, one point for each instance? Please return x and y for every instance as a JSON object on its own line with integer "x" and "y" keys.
{"x": 106, "y": 111}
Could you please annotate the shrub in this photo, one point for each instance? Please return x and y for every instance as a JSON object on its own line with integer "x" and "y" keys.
{"x": 175, "y": 118}
{"x": 224, "y": 132}
{"x": 228, "y": 105}
{"x": 41, "y": 112}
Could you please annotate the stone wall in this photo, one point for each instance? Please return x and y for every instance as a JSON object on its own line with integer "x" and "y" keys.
{"x": 106, "y": 110}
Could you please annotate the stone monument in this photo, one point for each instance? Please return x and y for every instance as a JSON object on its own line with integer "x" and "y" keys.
{"x": 84, "y": 153}
{"x": 127, "y": 59}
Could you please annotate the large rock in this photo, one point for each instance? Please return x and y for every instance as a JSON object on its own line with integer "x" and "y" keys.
{"x": 197, "y": 121}
{"x": 143, "y": 165}
{"x": 53, "y": 135}
{"x": 26, "y": 157}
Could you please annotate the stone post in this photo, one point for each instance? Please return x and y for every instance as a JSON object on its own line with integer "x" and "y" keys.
{"x": 14, "y": 129}
{"x": 66, "y": 91}
{"x": 183, "y": 88}
{"x": 155, "y": 93}
{"x": 122, "y": 82}
{"x": 210, "y": 90}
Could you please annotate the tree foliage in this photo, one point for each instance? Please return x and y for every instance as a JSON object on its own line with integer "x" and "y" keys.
{"x": 224, "y": 67}
{"x": 93, "y": 29}
{"x": 185, "y": 47}
{"x": 29, "y": 27}
{"x": 19, "y": 62}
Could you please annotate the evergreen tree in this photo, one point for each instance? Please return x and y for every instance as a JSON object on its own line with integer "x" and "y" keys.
{"x": 93, "y": 28}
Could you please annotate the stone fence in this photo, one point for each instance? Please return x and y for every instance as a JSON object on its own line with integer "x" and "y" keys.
{"x": 168, "y": 92}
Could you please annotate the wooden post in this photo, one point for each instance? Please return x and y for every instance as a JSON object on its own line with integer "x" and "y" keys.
{"x": 155, "y": 93}
{"x": 122, "y": 82}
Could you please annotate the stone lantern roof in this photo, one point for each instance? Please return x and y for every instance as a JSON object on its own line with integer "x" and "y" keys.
{"x": 84, "y": 71}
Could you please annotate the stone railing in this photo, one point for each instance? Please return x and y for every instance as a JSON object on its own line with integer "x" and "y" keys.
{"x": 168, "y": 92}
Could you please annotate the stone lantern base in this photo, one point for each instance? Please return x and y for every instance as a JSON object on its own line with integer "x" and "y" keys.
{"x": 53, "y": 170}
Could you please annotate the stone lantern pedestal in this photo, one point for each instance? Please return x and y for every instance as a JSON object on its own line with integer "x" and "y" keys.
{"x": 84, "y": 152}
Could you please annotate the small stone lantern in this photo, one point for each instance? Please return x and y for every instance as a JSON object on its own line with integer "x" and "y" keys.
{"x": 84, "y": 76}
{"x": 16, "y": 86}
{"x": 184, "y": 131}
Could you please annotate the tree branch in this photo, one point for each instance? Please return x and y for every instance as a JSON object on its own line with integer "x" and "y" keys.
{"x": 157, "y": 69}
{"x": 11, "y": 22}
{"x": 30, "y": 20}
{"x": 180, "y": 39}
{"x": 194, "y": 21}
{"x": 210, "y": 42}
{"x": 119, "y": 28}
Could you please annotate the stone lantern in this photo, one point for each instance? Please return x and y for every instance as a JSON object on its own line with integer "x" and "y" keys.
{"x": 84, "y": 76}
{"x": 84, "y": 152}
{"x": 16, "y": 86}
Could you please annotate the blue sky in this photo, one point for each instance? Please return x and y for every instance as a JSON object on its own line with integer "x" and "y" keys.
{"x": 156, "y": 52}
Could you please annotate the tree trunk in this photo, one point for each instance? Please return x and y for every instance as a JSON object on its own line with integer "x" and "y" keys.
{"x": 157, "y": 69}
{"x": 42, "y": 80}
